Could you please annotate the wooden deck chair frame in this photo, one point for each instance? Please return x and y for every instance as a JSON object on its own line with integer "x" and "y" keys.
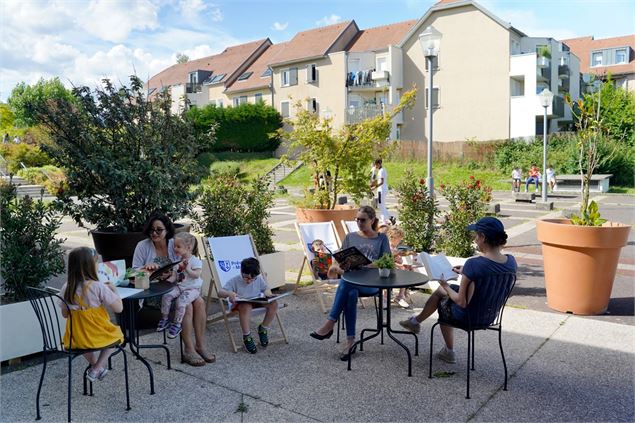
{"x": 225, "y": 314}
{"x": 318, "y": 284}
{"x": 346, "y": 225}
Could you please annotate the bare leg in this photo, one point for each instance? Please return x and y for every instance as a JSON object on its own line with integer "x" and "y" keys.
{"x": 187, "y": 329}
{"x": 448, "y": 336}
{"x": 272, "y": 308}
{"x": 326, "y": 327}
{"x": 431, "y": 305}
{"x": 200, "y": 321}
{"x": 244, "y": 315}
{"x": 350, "y": 340}
{"x": 91, "y": 357}
{"x": 103, "y": 358}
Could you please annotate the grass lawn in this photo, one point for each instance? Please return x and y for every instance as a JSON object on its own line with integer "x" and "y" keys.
{"x": 447, "y": 173}
{"x": 253, "y": 164}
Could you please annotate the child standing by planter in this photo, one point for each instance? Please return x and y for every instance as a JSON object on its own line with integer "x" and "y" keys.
{"x": 250, "y": 284}
{"x": 189, "y": 283}
{"x": 86, "y": 297}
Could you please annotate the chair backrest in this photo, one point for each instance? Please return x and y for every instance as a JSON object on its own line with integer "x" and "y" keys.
{"x": 350, "y": 226}
{"x": 48, "y": 314}
{"x": 490, "y": 296}
{"x": 309, "y": 232}
{"x": 227, "y": 253}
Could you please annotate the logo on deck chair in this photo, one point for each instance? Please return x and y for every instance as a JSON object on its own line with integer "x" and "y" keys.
{"x": 225, "y": 265}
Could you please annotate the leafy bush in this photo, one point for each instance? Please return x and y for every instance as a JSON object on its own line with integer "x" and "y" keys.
{"x": 248, "y": 127}
{"x": 124, "y": 156}
{"x": 468, "y": 203}
{"x": 30, "y": 155}
{"x": 617, "y": 111}
{"x": 51, "y": 177}
{"x": 417, "y": 211}
{"x": 30, "y": 253}
{"x": 231, "y": 207}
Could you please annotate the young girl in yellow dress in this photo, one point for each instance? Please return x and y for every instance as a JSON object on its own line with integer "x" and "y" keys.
{"x": 86, "y": 297}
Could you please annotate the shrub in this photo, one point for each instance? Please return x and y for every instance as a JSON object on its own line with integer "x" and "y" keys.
{"x": 231, "y": 207}
{"x": 468, "y": 203}
{"x": 51, "y": 177}
{"x": 248, "y": 127}
{"x": 417, "y": 211}
{"x": 124, "y": 156}
{"x": 30, "y": 155}
{"x": 30, "y": 253}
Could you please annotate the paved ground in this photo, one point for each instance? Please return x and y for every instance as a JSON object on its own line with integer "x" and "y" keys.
{"x": 562, "y": 367}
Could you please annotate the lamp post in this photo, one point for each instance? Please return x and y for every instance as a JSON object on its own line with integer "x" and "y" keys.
{"x": 546, "y": 98}
{"x": 430, "y": 40}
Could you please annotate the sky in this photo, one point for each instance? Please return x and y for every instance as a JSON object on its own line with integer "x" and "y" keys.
{"x": 83, "y": 41}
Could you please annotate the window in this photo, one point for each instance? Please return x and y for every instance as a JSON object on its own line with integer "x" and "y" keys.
{"x": 311, "y": 73}
{"x": 258, "y": 98}
{"x": 435, "y": 98}
{"x": 193, "y": 78}
{"x": 244, "y": 76}
{"x": 312, "y": 105}
{"x": 435, "y": 63}
{"x": 289, "y": 77}
{"x": 284, "y": 109}
{"x": 242, "y": 99}
{"x": 236, "y": 102}
{"x": 517, "y": 86}
{"x": 219, "y": 103}
{"x": 217, "y": 78}
{"x": 596, "y": 58}
{"x": 266, "y": 73}
{"x": 382, "y": 64}
{"x": 620, "y": 56}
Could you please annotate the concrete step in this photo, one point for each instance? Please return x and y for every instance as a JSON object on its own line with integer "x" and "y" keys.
{"x": 33, "y": 191}
{"x": 16, "y": 180}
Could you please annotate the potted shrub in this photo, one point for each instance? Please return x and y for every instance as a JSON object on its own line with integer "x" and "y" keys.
{"x": 544, "y": 55}
{"x": 385, "y": 264}
{"x": 581, "y": 254}
{"x": 231, "y": 206}
{"x": 30, "y": 255}
{"x": 124, "y": 157}
{"x": 346, "y": 153}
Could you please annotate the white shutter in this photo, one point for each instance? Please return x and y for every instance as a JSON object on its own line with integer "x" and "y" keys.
{"x": 293, "y": 77}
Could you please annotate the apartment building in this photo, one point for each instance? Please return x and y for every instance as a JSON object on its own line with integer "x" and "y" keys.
{"x": 487, "y": 75}
{"x": 608, "y": 56}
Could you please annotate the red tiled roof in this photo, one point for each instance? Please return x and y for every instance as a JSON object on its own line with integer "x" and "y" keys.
{"x": 311, "y": 43}
{"x": 380, "y": 37}
{"x": 226, "y": 62}
{"x": 583, "y": 46}
{"x": 258, "y": 67}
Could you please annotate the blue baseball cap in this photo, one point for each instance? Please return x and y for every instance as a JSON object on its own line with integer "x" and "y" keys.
{"x": 490, "y": 226}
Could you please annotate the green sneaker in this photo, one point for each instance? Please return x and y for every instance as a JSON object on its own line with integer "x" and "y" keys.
{"x": 250, "y": 345}
{"x": 264, "y": 337}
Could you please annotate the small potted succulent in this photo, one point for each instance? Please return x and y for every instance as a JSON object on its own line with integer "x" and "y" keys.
{"x": 385, "y": 264}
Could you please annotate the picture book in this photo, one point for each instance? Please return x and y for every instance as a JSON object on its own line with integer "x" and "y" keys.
{"x": 112, "y": 271}
{"x": 351, "y": 258}
{"x": 263, "y": 299}
{"x": 157, "y": 273}
{"x": 437, "y": 267}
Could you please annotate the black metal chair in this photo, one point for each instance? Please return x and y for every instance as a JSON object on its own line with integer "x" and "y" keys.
{"x": 48, "y": 314}
{"x": 484, "y": 311}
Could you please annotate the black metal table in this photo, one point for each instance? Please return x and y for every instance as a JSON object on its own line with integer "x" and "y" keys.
{"x": 128, "y": 324}
{"x": 398, "y": 279}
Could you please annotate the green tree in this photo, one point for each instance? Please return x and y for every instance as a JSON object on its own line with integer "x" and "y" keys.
{"x": 26, "y": 99}
{"x": 182, "y": 58}
{"x": 6, "y": 118}
{"x": 617, "y": 111}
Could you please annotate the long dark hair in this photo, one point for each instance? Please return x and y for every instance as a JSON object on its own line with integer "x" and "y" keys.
{"x": 81, "y": 267}
{"x": 372, "y": 215}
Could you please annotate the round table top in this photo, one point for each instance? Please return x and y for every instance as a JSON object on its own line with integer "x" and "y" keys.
{"x": 156, "y": 289}
{"x": 398, "y": 278}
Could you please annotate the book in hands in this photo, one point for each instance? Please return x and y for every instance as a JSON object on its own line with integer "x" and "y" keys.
{"x": 351, "y": 258}
{"x": 437, "y": 267}
{"x": 263, "y": 299}
{"x": 159, "y": 272}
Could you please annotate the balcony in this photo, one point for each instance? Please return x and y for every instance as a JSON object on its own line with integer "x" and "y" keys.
{"x": 358, "y": 114}
{"x": 543, "y": 62}
{"x": 563, "y": 85}
{"x": 380, "y": 76}
{"x": 543, "y": 74}
{"x": 192, "y": 88}
{"x": 563, "y": 71}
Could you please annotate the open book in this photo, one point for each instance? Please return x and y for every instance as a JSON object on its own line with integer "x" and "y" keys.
{"x": 437, "y": 267}
{"x": 159, "y": 272}
{"x": 112, "y": 271}
{"x": 263, "y": 300}
{"x": 351, "y": 258}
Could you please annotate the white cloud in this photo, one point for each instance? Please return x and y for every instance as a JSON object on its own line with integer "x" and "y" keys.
{"x": 113, "y": 20}
{"x": 328, "y": 20}
{"x": 280, "y": 26}
{"x": 217, "y": 15}
{"x": 48, "y": 49}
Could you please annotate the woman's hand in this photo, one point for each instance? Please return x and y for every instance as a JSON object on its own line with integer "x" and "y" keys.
{"x": 150, "y": 267}
{"x": 232, "y": 297}
{"x": 458, "y": 269}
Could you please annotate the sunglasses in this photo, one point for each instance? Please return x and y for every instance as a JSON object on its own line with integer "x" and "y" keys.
{"x": 361, "y": 219}
{"x": 157, "y": 231}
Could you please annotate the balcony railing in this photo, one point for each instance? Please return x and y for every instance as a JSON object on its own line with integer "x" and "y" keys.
{"x": 563, "y": 71}
{"x": 358, "y": 114}
{"x": 563, "y": 85}
{"x": 558, "y": 106}
{"x": 191, "y": 88}
{"x": 543, "y": 74}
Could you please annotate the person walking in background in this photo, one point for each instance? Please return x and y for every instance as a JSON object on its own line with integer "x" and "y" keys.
{"x": 532, "y": 177}
{"x": 379, "y": 185}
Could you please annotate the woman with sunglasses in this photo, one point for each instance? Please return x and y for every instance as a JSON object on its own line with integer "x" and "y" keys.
{"x": 156, "y": 251}
{"x": 373, "y": 245}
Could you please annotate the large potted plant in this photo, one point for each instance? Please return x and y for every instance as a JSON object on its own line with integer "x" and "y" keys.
{"x": 232, "y": 206}
{"x": 30, "y": 254}
{"x": 581, "y": 254}
{"x": 346, "y": 153}
{"x": 124, "y": 158}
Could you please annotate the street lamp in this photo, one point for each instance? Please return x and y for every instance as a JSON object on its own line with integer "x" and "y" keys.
{"x": 546, "y": 98}
{"x": 430, "y": 40}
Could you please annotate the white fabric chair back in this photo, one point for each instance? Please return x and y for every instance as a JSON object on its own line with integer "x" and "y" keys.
{"x": 350, "y": 226}
{"x": 228, "y": 252}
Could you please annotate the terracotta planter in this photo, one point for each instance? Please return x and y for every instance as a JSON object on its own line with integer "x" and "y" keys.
{"x": 580, "y": 263}
{"x": 337, "y": 215}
